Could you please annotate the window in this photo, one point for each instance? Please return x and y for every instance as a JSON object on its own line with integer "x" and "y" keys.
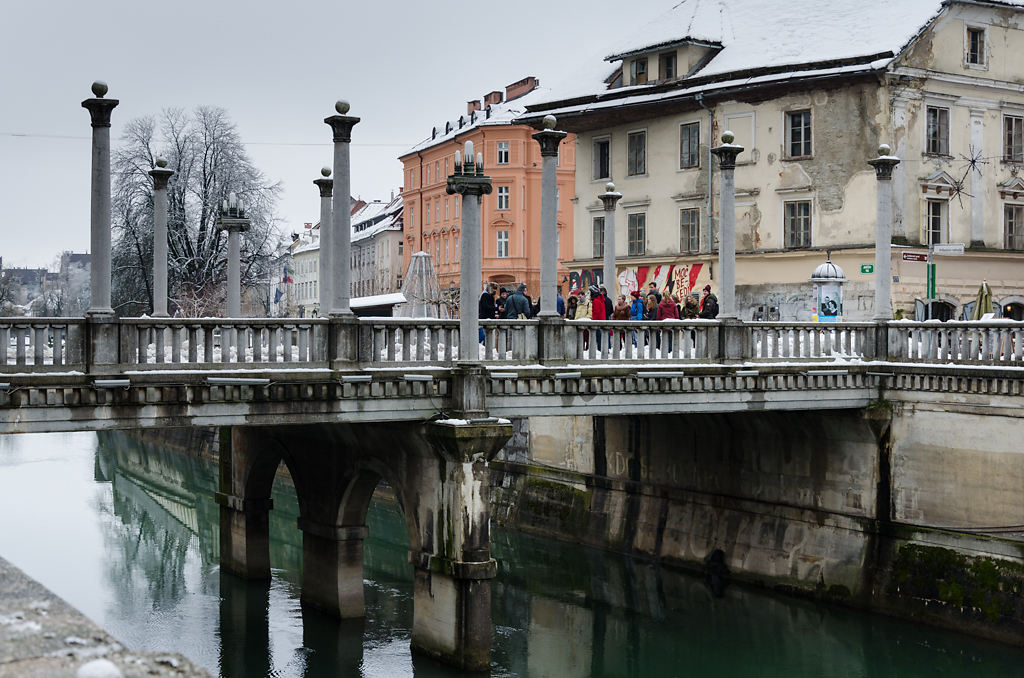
{"x": 934, "y": 221}
{"x": 412, "y": 215}
{"x": 798, "y": 134}
{"x": 437, "y": 170}
{"x": 636, "y": 162}
{"x": 446, "y": 209}
{"x": 502, "y": 152}
{"x": 503, "y": 197}
{"x": 667, "y": 65}
{"x": 437, "y": 210}
{"x": 798, "y": 224}
{"x": 637, "y": 234}
{"x": 428, "y": 173}
{"x": 446, "y": 172}
{"x": 689, "y": 145}
{"x": 1013, "y": 230}
{"x": 427, "y": 211}
{"x": 401, "y": 247}
{"x": 446, "y": 250}
{"x": 937, "y": 141}
{"x": 598, "y": 237}
{"x": 1013, "y": 138}
{"x": 502, "y": 244}
{"x": 602, "y": 158}
{"x": 975, "y": 47}
{"x": 638, "y": 72}
{"x": 437, "y": 251}
{"x": 689, "y": 230}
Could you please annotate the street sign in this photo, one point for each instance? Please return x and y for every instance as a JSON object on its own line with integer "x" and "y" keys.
{"x": 915, "y": 256}
{"x": 948, "y": 248}
{"x": 867, "y": 268}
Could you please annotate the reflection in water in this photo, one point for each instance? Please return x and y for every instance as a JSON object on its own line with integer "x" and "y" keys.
{"x": 558, "y": 610}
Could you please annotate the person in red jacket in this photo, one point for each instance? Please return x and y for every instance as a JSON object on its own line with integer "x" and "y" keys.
{"x": 598, "y": 310}
{"x": 667, "y": 310}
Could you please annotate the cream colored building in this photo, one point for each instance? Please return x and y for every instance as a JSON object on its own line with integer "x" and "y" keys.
{"x": 810, "y": 90}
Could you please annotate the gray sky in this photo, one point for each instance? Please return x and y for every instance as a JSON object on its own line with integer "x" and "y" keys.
{"x": 277, "y": 68}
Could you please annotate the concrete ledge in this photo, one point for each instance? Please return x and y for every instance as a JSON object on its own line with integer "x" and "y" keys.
{"x": 41, "y": 636}
{"x": 487, "y": 569}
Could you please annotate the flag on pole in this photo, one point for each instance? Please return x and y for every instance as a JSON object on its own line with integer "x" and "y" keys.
{"x": 277, "y": 295}
{"x": 287, "y": 278}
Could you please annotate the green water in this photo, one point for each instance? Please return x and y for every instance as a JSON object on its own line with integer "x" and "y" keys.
{"x": 129, "y": 536}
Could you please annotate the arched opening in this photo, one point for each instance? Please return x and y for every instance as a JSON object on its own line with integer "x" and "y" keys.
{"x": 1013, "y": 311}
{"x": 939, "y": 310}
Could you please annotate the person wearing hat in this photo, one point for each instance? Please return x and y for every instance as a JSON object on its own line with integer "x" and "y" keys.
{"x": 517, "y": 305}
{"x": 708, "y": 305}
{"x": 636, "y": 309}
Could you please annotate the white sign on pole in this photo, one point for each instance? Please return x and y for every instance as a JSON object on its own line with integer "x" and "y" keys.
{"x": 948, "y": 248}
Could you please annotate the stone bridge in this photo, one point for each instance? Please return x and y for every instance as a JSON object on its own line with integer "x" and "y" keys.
{"x": 346, "y": 403}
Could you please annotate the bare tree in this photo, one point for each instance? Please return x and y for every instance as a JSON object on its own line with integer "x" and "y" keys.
{"x": 209, "y": 161}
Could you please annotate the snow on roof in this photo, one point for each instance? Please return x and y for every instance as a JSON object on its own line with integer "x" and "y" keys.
{"x": 377, "y": 300}
{"x": 503, "y": 113}
{"x": 377, "y": 216}
{"x": 768, "y": 34}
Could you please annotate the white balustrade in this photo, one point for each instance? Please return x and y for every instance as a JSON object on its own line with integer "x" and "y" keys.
{"x": 996, "y": 342}
{"x": 800, "y": 341}
{"x": 639, "y": 341}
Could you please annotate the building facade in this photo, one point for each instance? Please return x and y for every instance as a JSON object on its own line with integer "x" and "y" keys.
{"x": 939, "y": 81}
{"x": 511, "y": 214}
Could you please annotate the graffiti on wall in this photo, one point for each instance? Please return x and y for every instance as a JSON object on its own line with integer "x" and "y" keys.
{"x": 674, "y": 278}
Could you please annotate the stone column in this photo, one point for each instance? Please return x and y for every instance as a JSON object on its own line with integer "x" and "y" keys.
{"x": 610, "y": 197}
{"x": 884, "y": 165}
{"x": 100, "y": 110}
{"x": 727, "y": 153}
{"x": 332, "y": 568}
{"x": 469, "y": 182}
{"x": 549, "y": 139}
{"x": 326, "y": 292}
{"x": 341, "y": 259}
{"x": 160, "y": 175}
{"x": 233, "y": 220}
{"x": 454, "y": 568}
{"x": 977, "y": 184}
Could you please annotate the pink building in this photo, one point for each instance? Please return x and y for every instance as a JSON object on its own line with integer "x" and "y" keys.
{"x": 511, "y": 214}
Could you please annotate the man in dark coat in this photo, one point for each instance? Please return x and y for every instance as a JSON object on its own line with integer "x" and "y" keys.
{"x": 518, "y": 304}
{"x": 486, "y": 308}
{"x": 708, "y": 305}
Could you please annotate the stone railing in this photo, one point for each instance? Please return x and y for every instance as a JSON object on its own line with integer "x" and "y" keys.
{"x": 205, "y": 342}
{"x": 998, "y": 342}
{"x": 41, "y": 344}
{"x": 63, "y": 344}
{"x": 644, "y": 341}
{"x": 802, "y": 341}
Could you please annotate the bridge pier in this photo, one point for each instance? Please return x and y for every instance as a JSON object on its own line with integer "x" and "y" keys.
{"x": 244, "y": 506}
{"x": 332, "y": 568}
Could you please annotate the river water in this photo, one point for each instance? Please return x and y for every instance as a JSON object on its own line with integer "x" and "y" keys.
{"x": 129, "y": 536}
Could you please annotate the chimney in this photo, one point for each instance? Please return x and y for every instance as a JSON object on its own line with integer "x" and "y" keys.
{"x": 471, "y": 106}
{"x": 493, "y": 98}
{"x": 521, "y": 87}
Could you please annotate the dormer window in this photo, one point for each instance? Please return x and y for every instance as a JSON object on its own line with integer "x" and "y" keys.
{"x": 638, "y": 71}
{"x": 975, "y": 47}
{"x": 667, "y": 65}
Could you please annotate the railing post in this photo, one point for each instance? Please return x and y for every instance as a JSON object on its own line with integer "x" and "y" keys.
{"x": 343, "y": 343}
{"x": 160, "y": 175}
{"x": 551, "y": 339}
{"x": 732, "y": 340}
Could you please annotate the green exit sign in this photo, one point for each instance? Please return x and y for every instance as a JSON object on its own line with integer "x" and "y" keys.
{"x": 867, "y": 268}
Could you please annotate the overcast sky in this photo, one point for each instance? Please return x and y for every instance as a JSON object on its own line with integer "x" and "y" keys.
{"x": 277, "y": 68}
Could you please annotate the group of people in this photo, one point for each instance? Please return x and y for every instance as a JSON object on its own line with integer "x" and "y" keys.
{"x": 597, "y": 305}
{"x": 497, "y": 303}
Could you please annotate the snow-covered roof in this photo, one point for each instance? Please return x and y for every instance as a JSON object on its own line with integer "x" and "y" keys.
{"x": 502, "y": 113}
{"x": 763, "y": 37}
{"x": 375, "y": 217}
{"x": 377, "y": 300}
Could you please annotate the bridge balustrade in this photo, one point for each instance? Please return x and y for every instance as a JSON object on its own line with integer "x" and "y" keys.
{"x": 42, "y": 344}
{"x": 781, "y": 340}
{"x": 155, "y": 342}
{"x": 999, "y": 342}
{"x": 416, "y": 341}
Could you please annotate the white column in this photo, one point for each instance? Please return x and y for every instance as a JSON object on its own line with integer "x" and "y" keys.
{"x": 99, "y": 218}
{"x": 977, "y": 185}
{"x": 160, "y": 176}
{"x": 341, "y": 125}
{"x": 549, "y": 139}
{"x": 883, "y": 164}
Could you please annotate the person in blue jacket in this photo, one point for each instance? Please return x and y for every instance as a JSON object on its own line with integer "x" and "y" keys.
{"x": 636, "y": 310}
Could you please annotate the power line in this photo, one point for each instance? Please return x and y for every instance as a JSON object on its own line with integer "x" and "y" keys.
{"x": 27, "y": 135}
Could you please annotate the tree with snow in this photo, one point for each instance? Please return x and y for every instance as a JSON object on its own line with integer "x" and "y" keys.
{"x": 206, "y": 153}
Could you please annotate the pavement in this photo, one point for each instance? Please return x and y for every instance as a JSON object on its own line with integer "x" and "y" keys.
{"x": 41, "y": 636}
